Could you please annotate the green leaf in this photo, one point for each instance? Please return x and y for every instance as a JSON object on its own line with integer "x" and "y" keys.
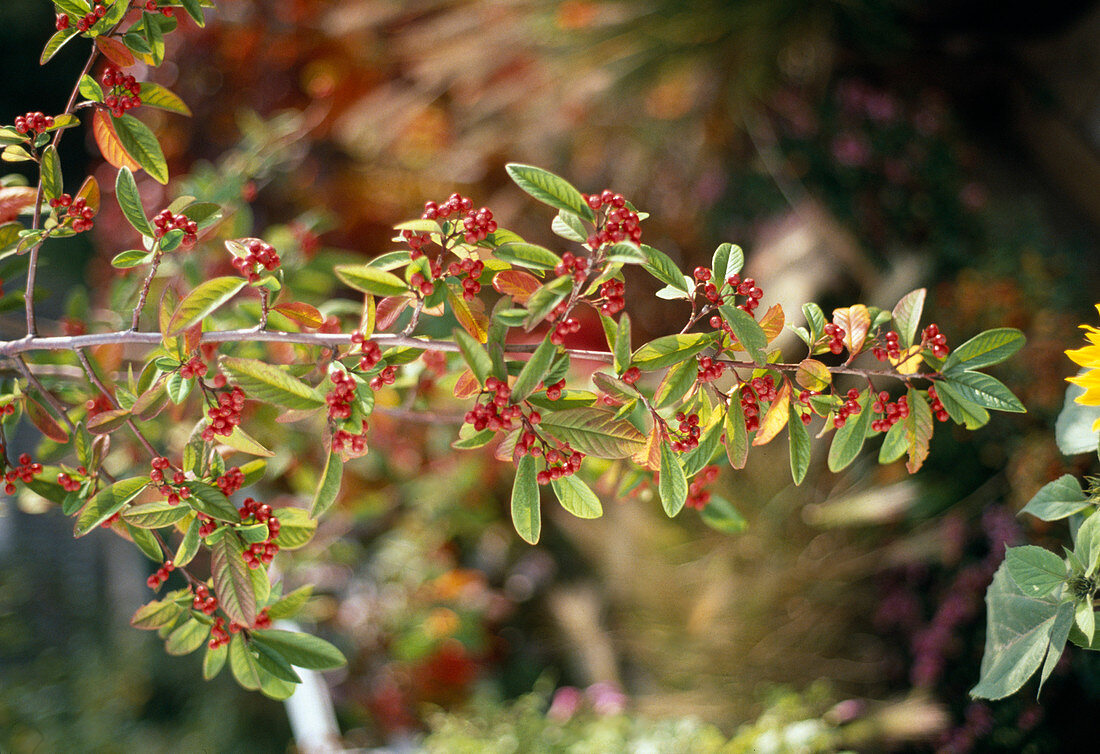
{"x": 303, "y": 650}
{"x": 894, "y": 444}
{"x": 203, "y": 301}
{"x": 550, "y": 189}
{"x": 243, "y": 664}
{"x": 142, "y": 145}
{"x": 1035, "y": 572}
{"x": 328, "y": 488}
{"x": 534, "y": 370}
{"x": 1018, "y": 628}
{"x": 918, "y": 430}
{"x": 985, "y": 349}
{"x": 273, "y": 662}
{"x": 660, "y": 266}
{"x": 815, "y": 318}
{"x": 52, "y": 184}
{"x": 849, "y": 439}
{"x": 720, "y": 514}
{"x": 107, "y": 502}
{"x": 270, "y": 384}
{"x": 57, "y": 41}
{"x": 594, "y": 431}
{"x": 698, "y": 457}
{"x": 155, "y": 95}
{"x": 371, "y": 280}
{"x": 289, "y": 604}
{"x": 296, "y": 528}
{"x": 240, "y": 440}
{"x": 622, "y": 348}
{"x": 125, "y": 260}
{"x": 799, "y": 445}
{"x": 189, "y": 545}
{"x": 253, "y": 533}
{"x": 727, "y": 261}
{"x": 567, "y": 225}
{"x": 527, "y": 255}
{"x": 577, "y": 497}
{"x": 673, "y": 485}
{"x": 194, "y": 9}
{"x": 526, "y": 516}
{"x": 961, "y": 410}
{"x": 177, "y": 387}
{"x": 748, "y": 332}
{"x": 474, "y": 354}
{"x": 545, "y": 298}
{"x": 1058, "y": 499}
{"x": 625, "y": 252}
{"x": 154, "y": 35}
{"x": 1085, "y": 618}
{"x": 155, "y": 515}
{"x": 1059, "y": 632}
{"x": 129, "y": 201}
{"x": 907, "y": 314}
{"x": 1087, "y": 543}
{"x": 155, "y": 614}
{"x": 669, "y": 349}
{"x": 213, "y": 661}
{"x": 676, "y": 383}
{"x": 211, "y": 502}
{"x": 232, "y": 583}
{"x": 986, "y": 391}
{"x": 737, "y": 437}
{"x": 187, "y": 637}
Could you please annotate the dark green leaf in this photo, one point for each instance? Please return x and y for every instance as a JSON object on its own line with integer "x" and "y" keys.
{"x": 141, "y": 144}
{"x": 737, "y": 437}
{"x": 849, "y": 439}
{"x": 985, "y": 349}
{"x": 129, "y": 200}
{"x": 748, "y": 332}
{"x": 211, "y": 502}
{"x": 302, "y": 650}
{"x": 815, "y": 318}
{"x": 1035, "y": 572}
{"x": 545, "y": 298}
{"x": 527, "y": 255}
{"x": 698, "y": 457}
{"x": 961, "y": 410}
{"x": 474, "y": 354}
{"x": 232, "y": 583}
{"x": 268, "y": 383}
{"x": 52, "y": 185}
{"x": 107, "y": 502}
{"x": 550, "y": 189}
{"x": 986, "y": 391}
{"x": 660, "y": 266}
{"x": 1058, "y": 499}
{"x": 534, "y": 370}
{"x": 799, "y": 445}
{"x": 676, "y": 383}
{"x": 727, "y": 261}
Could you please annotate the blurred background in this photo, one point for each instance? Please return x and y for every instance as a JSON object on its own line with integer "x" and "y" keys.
{"x": 856, "y": 150}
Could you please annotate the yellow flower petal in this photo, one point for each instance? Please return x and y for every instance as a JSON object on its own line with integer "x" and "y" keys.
{"x": 1096, "y": 425}
{"x": 1089, "y": 356}
{"x": 1090, "y": 397}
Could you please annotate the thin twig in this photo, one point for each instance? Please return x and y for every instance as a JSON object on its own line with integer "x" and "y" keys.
{"x": 50, "y": 398}
{"x": 145, "y": 289}
{"x": 114, "y": 403}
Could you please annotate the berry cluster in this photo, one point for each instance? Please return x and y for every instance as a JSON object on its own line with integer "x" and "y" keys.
{"x": 689, "y": 431}
{"x": 77, "y": 209}
{"x": 193, "y": 367}
{"x": 415, "y": 242}
{"x": 260, "y": 552}
{"x": 836, "y": 337}
{"x": 219, "y": 637}
{"x": 613, "y": 294}
{"x": 204, "y": 601}
{"x": 472, "y": 269}
{"x": 340, "y": 398}
{"x": 231, "y": 481}
{"x": 207, "y": 525}
{"x": 172, "y": 494}
{"x": 151, "y": 7}
{"x": 68, "y": 483}
{"x": 892, "y": 412}
{"x": 86, "y": 22}
{"x": 161, "y": 575}
{"x": 166, "y": 221}
{"x": 495, "y": 413}
{"x": 553, "y": 390}
{"x": 344, "y": 441}
{"x": 759, "y": 389}
{"x": 931, "y": 337}
{"x": 259, "y": 253}
{"x": 477, "y": 225}
{"x": 850, "y": 407}
{"x": 747, "y": 288}
{"x": 571, "y": 264}
{"x": 704, "y": 285}
{"x": 891, "y": 349}
{"x": 24, "y": 472}
{"x": 565, "y": 327}
{"x": 698, "y": 494}
{"x": 226, "y": 415}
{"x": 937, "y": 407}
{"x": 387, "y": 376}
{"x": 632, "y": 375}
{"x": 33, "y": 122}
{"x": 372, "y": 352}
{"x": 620, "y": 222}
{"x": 709, "y": 369}
{"x": 121, "y": 91}
{"x": 560, "y": 461}
{"x": 421, "y": 284}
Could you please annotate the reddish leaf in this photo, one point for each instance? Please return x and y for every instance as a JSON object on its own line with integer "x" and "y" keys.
{"x": 300, "y": 312}
{"x": 13, "y": 200}
{"x": 467, "y": 385}
{"x": 650, "y": 454}
{"x": 772, "y": 322}
{"x": 388, "y": 310}
{"x": 517, "y": 284}
{"x": 115, "y": 51}
{"x": 108, "y": 421}
{"x": 467, "y": 313}
{"x": 776, "y": 418}
{"x": 813, "y": 375}
{"x": 855, "y": 321}
{"x": 46, "y": 424}
{"x": 89, "y": 191}
{"x": 109, "y": 144}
